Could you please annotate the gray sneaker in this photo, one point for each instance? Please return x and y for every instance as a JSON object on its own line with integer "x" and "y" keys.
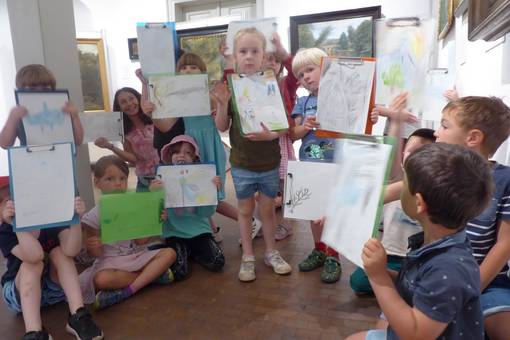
{"x": 275, "y": 260}
{"x": 247, "y": 268}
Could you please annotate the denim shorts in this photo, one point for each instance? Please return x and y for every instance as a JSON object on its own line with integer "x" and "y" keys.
{"x": 51, "y": 293}
{"x": 247, "y": 182}
{"x": 495, "y": 298}
{"x": 376, "y": 334}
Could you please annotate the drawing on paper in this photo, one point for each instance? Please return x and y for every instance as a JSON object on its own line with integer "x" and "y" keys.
{"x": 180, "y": 95}
{"x": 102, "y": 124}
{"x": 403, "y": 55}
{"x": 344, "y": 95}
{"x": 189, "y": 185}
{"x": 46, "y": 119}
{"x": 298, "y": 197}
{"x": 258, "y": 101}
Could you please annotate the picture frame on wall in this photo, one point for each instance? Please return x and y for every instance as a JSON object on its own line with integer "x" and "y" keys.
{"x": 94, "y": 81}
{"x": 133, "y": 48}
{"x": 205, "y": 42}
{"x": 348, "y": 33}
{"x": 488, "y": 20}
{"x": 446, "y": 16}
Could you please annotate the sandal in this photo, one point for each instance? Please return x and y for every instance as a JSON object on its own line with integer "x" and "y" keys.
{"x": 282, "y": 232}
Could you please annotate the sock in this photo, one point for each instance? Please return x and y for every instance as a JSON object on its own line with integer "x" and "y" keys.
{"x": 127, "y": 291}
{"x": 320, "y": 246}
{"x": 331, "y": 252}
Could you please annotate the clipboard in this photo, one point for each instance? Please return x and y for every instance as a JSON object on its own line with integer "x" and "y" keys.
{"x": 355, "y": 205}
{"x": 43, "y": 186}
{"x": 109, "y": 125}
{"x": 345, "y": 94}
{"x": 157, "y": 46}
{"x": 45, "y": 122}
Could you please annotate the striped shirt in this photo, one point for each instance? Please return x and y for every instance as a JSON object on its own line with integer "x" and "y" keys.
{"x": 483, "y": 230}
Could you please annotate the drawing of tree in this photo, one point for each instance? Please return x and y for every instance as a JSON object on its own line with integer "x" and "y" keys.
{"x": 297, "y": 198}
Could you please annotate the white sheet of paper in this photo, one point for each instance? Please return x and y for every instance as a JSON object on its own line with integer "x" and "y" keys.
{"x": 307, "y": 189}
{"x": 102, "y": 124}
{"x": 258, "y": 100}
{"x": 354, "y": 200}
{"x": 189, "y": 185}
{"x": 403, "y": 56}
{"x": 179, "y": 95}
{"x": 344, "y": 94}
{"x": 156, "y": 47}
{"x": 266, "y": 26}
{"x": 43, "y": 187}
{"x": 432, "y": 101}
{"x": 45, "y": 122}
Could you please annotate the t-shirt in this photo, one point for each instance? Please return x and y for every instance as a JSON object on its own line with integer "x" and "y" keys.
{"x": 398, "y": 227}
{"x": 163, "y": 138}
{"x": 188, "y": 222}
{"x": 442, "y": 280}
{"x": 313, "y": 148}
{"x": 482, "y": 230}
{"x": 48, "y": 238}
{"x": 147, "y": 156}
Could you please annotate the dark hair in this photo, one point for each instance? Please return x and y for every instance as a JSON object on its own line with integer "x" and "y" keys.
{"x": 128, "y": 125}
{"x": 174, "y": 148}
{"x": 487, "y": 114}
{"x": 455, "y": 182}
{"x": 424, "y": 133}
{"x": 104, "y": 162}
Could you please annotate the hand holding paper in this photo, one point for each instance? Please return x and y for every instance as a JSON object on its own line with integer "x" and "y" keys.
{"x": 79, "y": 206}
{"x": 8, "y": 212}
{"x": 374, "y": 258}
{"x": 264, "y": 135}
{"x": 18, "y": 112}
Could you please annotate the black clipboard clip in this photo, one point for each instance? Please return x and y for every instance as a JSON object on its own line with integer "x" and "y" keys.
{"x": 289, "y": 201}
{"x": 348, "y": 61}
{"x": 155, "y": 25}
{"x": 36, "y": 148}
{"x": 403, "y": 22}
{"x": 438, "y": 70}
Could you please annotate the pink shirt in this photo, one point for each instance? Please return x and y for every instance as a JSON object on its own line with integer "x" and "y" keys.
{"x": 141, "y": 142}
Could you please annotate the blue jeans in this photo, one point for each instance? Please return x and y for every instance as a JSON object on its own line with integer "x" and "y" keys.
{"x": 247, "y": 182}
{"x": 496, "y": 297}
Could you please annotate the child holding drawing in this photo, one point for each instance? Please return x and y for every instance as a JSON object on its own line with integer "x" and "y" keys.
{"x": 35, "y": 77}
{"x": 122, "y": 268}
{"x": 187, "y": 230}
{"x": 255, "y": 160}
{"x": 139, "y": 135}
{"x": 31, "y": 282}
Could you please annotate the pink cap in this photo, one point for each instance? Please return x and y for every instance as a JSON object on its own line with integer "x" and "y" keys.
{"x": 4, "y": 181}
{"x": 165, "y": 151}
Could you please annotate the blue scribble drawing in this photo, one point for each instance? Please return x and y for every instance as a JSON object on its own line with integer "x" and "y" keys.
{"x": 189, "y": 191}
{"x": 46, "y": 118}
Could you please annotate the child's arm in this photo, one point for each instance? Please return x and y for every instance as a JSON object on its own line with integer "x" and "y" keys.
{"x": 406, "y": 321}
{"x": 93, "y": 241}
{"x": 9, "y": 131}
{"x": 127, "y": 154}
{"x": 227, "y": 56}
{"x": 162, "y": 124}
{"x": 75, "y": 121}
{"x": 497, "y": 257}
{"x": 221, "y": 95}
{"x": 265, "y": 134}
{"x": 301, "y": 130}
{"x": 70, "y": 239}
{"x": 392, "y": 192}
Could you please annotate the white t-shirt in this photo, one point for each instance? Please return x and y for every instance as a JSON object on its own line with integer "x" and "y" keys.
{"x": 398, "y": 227}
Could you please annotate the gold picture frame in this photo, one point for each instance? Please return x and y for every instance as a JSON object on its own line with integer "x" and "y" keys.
{"x": 93, "y": 75}
{"x": 446, "y": 9}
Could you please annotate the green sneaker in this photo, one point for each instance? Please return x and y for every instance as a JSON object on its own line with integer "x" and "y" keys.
{"x": 332, "y": 270}
{"x": 313, "y": 261}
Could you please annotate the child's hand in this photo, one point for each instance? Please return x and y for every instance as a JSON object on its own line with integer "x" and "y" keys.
{"x": 217, "y": 182}
{"x": 223, "y": 49}
{"x": 320, "y": 222}
{"x": 18, "y": 112}
{"x": 79, "y": 206}
{"x": 70, "y": 108}
{"x": 8, "y": 212}
{"x": 374, "y": 115}
{"x": 164, "y": 215}
{"x": 103, "y": 143}
{"x": 311, "y": 123}
{"x": 220, "y": 93}
{"x": 156, "y": 184}
{"x": 451, "y": 95}
{"x": 148, "y": 107}
{"x": 264, "y": 135}
{"x": 280, "y": 50}
{"x": 140, "y": 76}
{"x": 374, "y": 258}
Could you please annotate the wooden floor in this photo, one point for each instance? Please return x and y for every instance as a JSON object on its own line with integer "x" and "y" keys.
{"x": 218, "y": 306}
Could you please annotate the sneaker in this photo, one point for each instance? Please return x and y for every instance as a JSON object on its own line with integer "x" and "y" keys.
{"x": 313, "y": 261}
{"x": 282, "y": 232}
{"x": 275, "y": 260}
{"x": 165, "y": 278}
{"x": 37, "y": 335}
{"x": 218, "y": 236}
{"x": 81, "y": 325}
{"x": 107, "y": 298}
{"x": 332, "y": 270}
{"x": 256, "y": 229}
{"x": 247, "y": 268}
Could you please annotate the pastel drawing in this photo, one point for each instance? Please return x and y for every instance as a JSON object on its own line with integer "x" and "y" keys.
{"x": 46, "y": 118}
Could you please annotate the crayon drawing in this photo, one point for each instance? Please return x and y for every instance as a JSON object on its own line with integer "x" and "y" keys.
{"x": 102, "y": 124}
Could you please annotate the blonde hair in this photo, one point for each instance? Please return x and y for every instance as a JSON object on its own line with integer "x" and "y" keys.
{"x": 490, "y": 115}
{"x": 250, "y": 30}
{"x": 35, "y": 75}
{"x": 305, "y": 57}
{"x": 191, "y": 59}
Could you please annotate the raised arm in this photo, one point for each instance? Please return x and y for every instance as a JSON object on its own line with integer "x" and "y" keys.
{"x": 221, "y": 96}
{"x": 9, "y": 131}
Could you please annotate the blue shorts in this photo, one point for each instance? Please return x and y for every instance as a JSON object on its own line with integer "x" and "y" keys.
{"x": 247, "y": 182}
{"x": 376, "y": 334}
{"x": 51, "y": 293}
{"x": 495, "y": 298}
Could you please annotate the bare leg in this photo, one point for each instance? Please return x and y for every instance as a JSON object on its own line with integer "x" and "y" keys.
{"x": 108, "y": 279}
{"x": 67, "y": 277}
{"x": 227, "y": 209}
{"x": 316, "y": 231}
{"x": 497, "y": 326}
{"x": 246, "y": 209}
{"x": 155, "y": 268}
{"x": 267, "y": 216}
{"x": 28, "y": 283}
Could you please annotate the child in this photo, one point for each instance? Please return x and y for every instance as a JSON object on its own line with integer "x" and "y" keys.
{"x": 31, "y": 282}
{"x": 187, "y": 230}
{"x": 139, "y": 135}
{"x": 398, "y": 227}
{"x": 122, "y": 268}
{"x": 306, "y": 67}
{"x": 35, "y": 77}
{"x": 255, "y": 160}
{"x": 437, "y": 292}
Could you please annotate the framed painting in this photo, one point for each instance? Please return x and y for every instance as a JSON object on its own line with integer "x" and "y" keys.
{"x": 93, "y": 75}
{"x": 446, "y": 16}
{"x": 205, "y": 42}
{"x": 488, "y": 19}
{"x": 133, "y": 48}
{"x": 347, "y": 33}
